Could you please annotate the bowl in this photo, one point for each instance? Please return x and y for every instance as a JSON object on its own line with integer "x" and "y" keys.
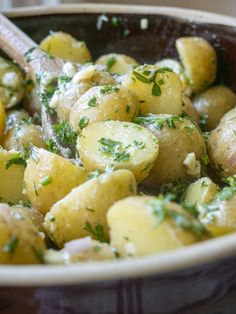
{"x": 130, "y": 280}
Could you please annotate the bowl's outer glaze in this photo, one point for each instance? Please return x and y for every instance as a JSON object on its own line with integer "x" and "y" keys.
{"x": 171, "y": 292}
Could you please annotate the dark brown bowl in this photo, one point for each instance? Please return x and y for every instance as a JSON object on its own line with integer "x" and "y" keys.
{"x": 183, "y": 281}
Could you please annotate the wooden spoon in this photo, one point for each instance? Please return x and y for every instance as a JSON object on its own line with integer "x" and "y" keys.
{"x": 24, "y": 51}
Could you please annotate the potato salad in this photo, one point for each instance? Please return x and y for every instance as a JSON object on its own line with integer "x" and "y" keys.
{"x": 149, "y": 163}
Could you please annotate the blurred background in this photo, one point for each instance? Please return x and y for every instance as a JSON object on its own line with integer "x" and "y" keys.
{"x": 220, "y": 6}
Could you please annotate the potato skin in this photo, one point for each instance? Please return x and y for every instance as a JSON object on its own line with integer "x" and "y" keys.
{"x": 63, "y": 45}
{"x": 170, "y": 95}
{"x": 117, "y": 63}
{"x": 221, "y": 146}
{"x": 199, "y": 60}
{"x": 95, "y": 105}
{"x": 132, "y": 141}
{"x": 20, "y": 241}
{"x": 189, "y": 108}
{"x": 230, "y": 115}
{"x": 214, "y": 103}
{"x": 11, "y": 179}
{"x": 60, "y": 174}
{"x": 88, "y": 203}
{"x": 23, "y": 136}
{"x": 174, "y": 145}
{"x": 134, "y": 229}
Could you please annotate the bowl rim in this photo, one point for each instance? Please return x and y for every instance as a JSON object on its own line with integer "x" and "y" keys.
{"x": 195, "y": 255}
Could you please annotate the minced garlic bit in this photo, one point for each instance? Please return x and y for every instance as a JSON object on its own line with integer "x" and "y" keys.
{"x": 193, "y": 165}
{"x": 69, "y": 69}
{"x": 84, "y": 74}
{"x": 10, "y": 79}
{"x": 53, "y": 103}
{"x": 144, "y": 23}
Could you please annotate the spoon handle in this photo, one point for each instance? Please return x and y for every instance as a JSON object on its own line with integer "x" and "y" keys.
{"x": 24, "y": 51}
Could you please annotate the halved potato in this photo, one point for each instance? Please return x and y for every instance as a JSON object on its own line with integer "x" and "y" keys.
{"x": 123, "y": 145}
{"x": 143, "y": 225}
{"x": 117, "y": 63}
{"x": 63, "y": 45}
{"x": 12, "y": 168}
{"x": 199, "y": 60}
{"x": 101, "y": 103}
{"x": 83, "y": 211}
{"x": 49, "y": 177}
{"x": 20, "y": 241}
{"x": 159, "y": 90}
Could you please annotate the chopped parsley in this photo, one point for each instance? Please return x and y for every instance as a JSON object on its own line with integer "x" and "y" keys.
{"x": 45, "y": 97}
{"x": 83, "y": 122}
{"x": 113, "y": 148}
{"x": 106, "y": 89}
{"x": 52, "y": 146}
{"x": 114, "y": 21}
{"x": 93, "y": 102}
{"x": 18, "y": 159}
{"x": 45, "y": 181}
{"x": 97, "y": 231}
{"x": 159, "y": 122}
{"x": 27, "y": 54}
{"x": 219, "y": 168}
{"x": 65, "y": 133}
{"x": 127, "y": 109}
{"x": 110, "y": 62}
{"x": 11, "y": 245}
{"x": 162, "y": 211}
{"x": 139, "y": 144}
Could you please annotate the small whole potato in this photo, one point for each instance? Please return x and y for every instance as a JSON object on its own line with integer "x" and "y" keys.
{"x": 213, "y": 103}
{"x": 49, "y": 177}
{"x": 159, "y": 90}
{"x": 117, "y": 63}
{"x": 23, "y": 135}
{"x": 124, "y": 145}
{"x": 221, "y": 146}
{"x": 230, "y": 115}
{"x": 143, "y": 225}
{"x": 178, "y": 138}
{"x": 20, "y": 241}
{"x": 83, "y": 211}
{"x": 64, "y": 46}
{"x": 199, "y": 61}
{"x": 12, "y": 168}
{"x": 101, "y": 103}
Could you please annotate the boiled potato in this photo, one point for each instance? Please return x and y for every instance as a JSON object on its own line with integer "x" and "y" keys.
{"x": 176, "y": 67}
{"x": 12, "y": 168}
{"x": 159, "y": 89}
{"x": 117, "y": 63}
{"x": 101, "y": 103}
{"x": 222, "y": 148}
{"x": 201, "y": 191}
{"x": 12, "y": 88}
{"x": 24, "y": 135}
{"x": 2, "y": 120}
{"x": 230, "y": 115}
{"x": 199, "y": 60}
{"x": 16, "y": 117}
{"x": 83, "y": 211}
{"x": 181, "y": 147}
{"x": 20, "y": 241}
{"x": 49, "y": 177}
{"x": 189, "y": 108}
{"x": 68, "y": 94}
{"x": 220, "y": 216}
{"x": 124, "y": 145}
{"x": 143, "y": 225}
{"x": 64, "y": 46}
{"x": 213, "y": 103}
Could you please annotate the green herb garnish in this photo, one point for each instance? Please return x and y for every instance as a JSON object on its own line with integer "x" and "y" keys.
{"x": 110, "y": 62}
{"x": 65, "y": 133}
{"x": 11, "y": 245}
{"x": 93, "y": 102}
{"x": 83, "y": 122}
{"x": 97, "y": 231}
